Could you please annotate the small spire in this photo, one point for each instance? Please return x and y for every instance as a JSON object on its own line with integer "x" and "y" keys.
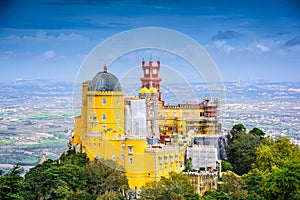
{"x": 105, "y": 68}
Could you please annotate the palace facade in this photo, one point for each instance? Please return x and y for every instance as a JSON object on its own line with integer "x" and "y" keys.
{"x": 147, "y": 138}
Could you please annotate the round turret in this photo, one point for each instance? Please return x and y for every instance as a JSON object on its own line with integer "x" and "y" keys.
{"x": 144, "y": 90}
{"x": 105, "y": 81}
{"x": 152, "y": 90}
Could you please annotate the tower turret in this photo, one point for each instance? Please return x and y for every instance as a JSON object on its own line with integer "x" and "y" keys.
{"x": 151, "y": 78}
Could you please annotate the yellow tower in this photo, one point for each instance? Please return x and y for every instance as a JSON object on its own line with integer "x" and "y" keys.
{"x": 105, "y": 104}
{"x": 102, "y": 112}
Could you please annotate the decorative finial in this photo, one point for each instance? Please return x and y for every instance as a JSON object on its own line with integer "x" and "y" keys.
{"x": 105, "y": 68}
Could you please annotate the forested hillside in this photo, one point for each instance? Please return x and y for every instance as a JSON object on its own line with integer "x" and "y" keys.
{"x": 257, "y": 168}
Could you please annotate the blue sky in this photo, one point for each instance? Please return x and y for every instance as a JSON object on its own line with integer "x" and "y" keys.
{"x": 248, "y": 40}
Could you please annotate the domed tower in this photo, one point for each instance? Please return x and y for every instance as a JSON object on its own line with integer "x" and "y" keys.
{"x": 103, "y": 104}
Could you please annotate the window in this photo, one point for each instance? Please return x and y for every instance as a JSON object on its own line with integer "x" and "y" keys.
{"x": 123, "y": 145}
{"x": 201, "y": 114}
{"x": 171, "y": 168}
{"x": 91, "y": 116}
{"x": 122, "y": 157}
{"x": 103, "y": 101}
{"x": 146, "y": 71}
{"x": 160, "y": 170}
{"x": 103, "y": 125}
{"x": 160, "y": 160}
{"x": 131, "y": 161}
{"x": 176, "y": 168}
{"x": 171, "y": 158}
{"x": 103, "y": 117}
{"x": 177, "y": 158}
{"x": 118, "y": 116}
{"x": 118, "y": 100}
{"x": 175, "y": 114}
{"x": 166, "y": 159}
{"x": 154, "y": 71}
{"x": 113, "y": 157}
{"x": 130, "y": 150}
{"x": 91, "y": 100}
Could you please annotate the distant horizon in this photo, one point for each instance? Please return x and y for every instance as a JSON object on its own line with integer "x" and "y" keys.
{"x": 226, "y": 81}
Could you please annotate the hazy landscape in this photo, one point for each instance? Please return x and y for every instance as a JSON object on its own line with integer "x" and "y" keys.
{"x": 37, "y": 116}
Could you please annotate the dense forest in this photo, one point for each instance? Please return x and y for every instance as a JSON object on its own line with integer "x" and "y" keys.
{"x": 257, "y": 168}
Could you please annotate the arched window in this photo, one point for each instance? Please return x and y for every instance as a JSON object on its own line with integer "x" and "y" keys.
{"x": 131, "y": 161}
{"x": 103, "y": 101}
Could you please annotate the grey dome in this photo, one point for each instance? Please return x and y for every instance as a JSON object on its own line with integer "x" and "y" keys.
{"x": 105, "y": 81}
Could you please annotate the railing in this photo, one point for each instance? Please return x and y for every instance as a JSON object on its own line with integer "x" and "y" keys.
{"x": 201, "y": 173}
{"x": 163, "y": 149}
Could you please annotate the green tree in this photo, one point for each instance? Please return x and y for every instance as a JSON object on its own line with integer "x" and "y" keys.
{"x": 241, "y": 152}
{"x": 283, "y": 183}
{"x": 233, "y": 185}
{"x": 276, "y": 153}
{"x": 53, "y": 181}
{"x": 216, "y": 195}
{"x": 276, "y": 170}
{"x": 109, "y": 195}
{"x": 105, "y": 175}
{"x": 226, "y": 166}
{"x": 80, "y": 195}
{"x": 257, "y": 132}
{"x": 253, "y": 180}
{"x": 236, "y": 130}
{"x": 73, "y": 177}
{"x": 35, "y": 185}
{"x": 188, "y": 165}
{"x": 10, "y": 184}
{"x": 177, "y": 186}
{"x": 71, "y": 157}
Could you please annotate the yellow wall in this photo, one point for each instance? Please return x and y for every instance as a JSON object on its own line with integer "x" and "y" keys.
{"x": 140, "y": 166}
{"x": 110, "y": 104}
{"x": 76, "y": 138}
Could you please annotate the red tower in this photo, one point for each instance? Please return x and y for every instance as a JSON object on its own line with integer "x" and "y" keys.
{"x": 151, "y": 78}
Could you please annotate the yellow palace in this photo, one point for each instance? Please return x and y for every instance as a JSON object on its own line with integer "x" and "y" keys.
{"x": 146, "y": 137}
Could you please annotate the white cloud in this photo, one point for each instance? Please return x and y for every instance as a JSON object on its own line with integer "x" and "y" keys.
{"x": 8, "y": 55}
{"x": 262, "y": 48}
{"x": 49, "y": 54}
{"x": 223, "y": 46}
